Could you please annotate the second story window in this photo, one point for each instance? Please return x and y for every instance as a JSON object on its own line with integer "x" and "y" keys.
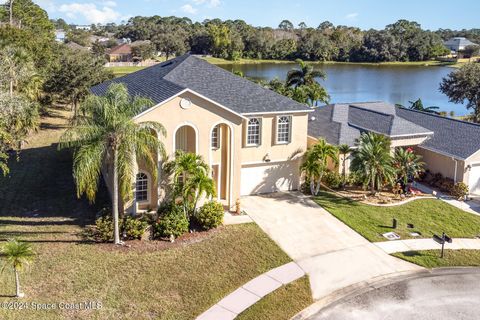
{"x": 216, "y": 138}
{"x": 284, "y": 126}
{"x": 253, "y": 132}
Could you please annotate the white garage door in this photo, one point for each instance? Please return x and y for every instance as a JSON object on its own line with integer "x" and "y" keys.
{"x": 281, "y": 176}
{"x": 474, "y": 179}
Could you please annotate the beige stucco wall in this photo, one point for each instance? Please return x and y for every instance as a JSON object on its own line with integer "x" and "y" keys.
{"x": 445, "y": 165}
{"x": 204, "y": 115}
{"x": 276, "y": 152}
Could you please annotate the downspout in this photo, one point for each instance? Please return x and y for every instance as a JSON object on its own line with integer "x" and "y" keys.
{"x": 455, "y": 173}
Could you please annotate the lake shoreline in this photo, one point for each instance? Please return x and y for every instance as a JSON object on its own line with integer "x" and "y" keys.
{"x": 429, "y": 63}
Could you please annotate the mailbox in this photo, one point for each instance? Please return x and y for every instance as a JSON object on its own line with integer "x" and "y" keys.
{"x": 438, "y": 239}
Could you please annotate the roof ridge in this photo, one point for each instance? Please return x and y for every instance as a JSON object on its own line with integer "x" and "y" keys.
{"x": 373, "y": 111}
{"x": 440, "y": 116}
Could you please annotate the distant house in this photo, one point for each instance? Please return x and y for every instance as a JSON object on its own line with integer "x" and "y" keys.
{"x": 75, "y": 46}
{"x": 457, "y": 44}
{"x": 83, "y": 27}
{"x": 120, "y": 53}
{"x": 60, "y": 35}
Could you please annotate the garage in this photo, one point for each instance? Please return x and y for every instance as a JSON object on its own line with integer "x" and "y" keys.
{"x": 272, "y": 177}
{"x": 474, "y": 179}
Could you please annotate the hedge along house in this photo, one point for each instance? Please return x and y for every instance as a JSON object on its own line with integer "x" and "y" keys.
{"x": 448, "y": 146}
{"x": 251, "y": 137}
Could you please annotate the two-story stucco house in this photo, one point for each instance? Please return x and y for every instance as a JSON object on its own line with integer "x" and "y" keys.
{"x": 251, "y": 137}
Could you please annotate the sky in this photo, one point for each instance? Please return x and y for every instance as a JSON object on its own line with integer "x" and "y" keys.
{"x": 365, "y": 14}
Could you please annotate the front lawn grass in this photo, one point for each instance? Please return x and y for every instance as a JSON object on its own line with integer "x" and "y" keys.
{"x": 429, "y": 216}
{"x": 452, "y": 258}
{"x": 281, "y": 304}
{"x": 38, "y": 205}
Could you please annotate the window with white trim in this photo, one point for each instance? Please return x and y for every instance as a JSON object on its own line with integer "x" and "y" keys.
{"x": 141, "y": 189}
{"x": 253, "y": 132}
{"x": 216, "y": 137}
{"x": 284, "y": 126}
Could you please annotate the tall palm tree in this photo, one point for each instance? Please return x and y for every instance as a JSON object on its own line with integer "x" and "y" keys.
{"x": 372, "y": 160}
{"x": 106, "y": 132}
{"x": 407, "y": 163}
{"x": 191, "y": 176}
{"x": 344, "y": 150}
{"x": 305, "y": 75}
{"x": 18, "y": 255}
{"x": 316, "y": 162}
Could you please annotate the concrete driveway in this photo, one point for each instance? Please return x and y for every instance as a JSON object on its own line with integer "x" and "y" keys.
{"x": 333, "y": 255}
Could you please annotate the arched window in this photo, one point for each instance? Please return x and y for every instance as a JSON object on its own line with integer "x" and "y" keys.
{"x": 253, "y": 132}
{"x": 141, "y": 187}
{"x": 283, "y": 129}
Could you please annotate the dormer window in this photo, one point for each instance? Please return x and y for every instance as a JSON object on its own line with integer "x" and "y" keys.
{"x": 254, "y": 129}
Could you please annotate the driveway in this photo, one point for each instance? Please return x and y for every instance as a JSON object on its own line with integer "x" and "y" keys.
{"x": 443, "y": 294}
{"x": 333, "y": 255}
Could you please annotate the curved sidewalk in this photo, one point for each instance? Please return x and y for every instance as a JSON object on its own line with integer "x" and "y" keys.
{"x": 426, "y": 244}
{"x": 247, "y": 295}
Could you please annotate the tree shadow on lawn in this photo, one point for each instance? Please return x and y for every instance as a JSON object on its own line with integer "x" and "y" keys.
{"x": 40, "y": 193}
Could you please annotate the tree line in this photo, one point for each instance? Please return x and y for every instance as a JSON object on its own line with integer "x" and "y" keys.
{"x": 233, "y": 39}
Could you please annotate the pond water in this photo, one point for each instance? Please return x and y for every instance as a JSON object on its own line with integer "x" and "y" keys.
{"x": 361, "y": 83}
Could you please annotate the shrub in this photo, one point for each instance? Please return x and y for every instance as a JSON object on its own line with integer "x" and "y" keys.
{"x": 104, "y": 229}
{"x": 459, "y": 190}
{"x": 210, "y": 215}
{"x": 172, "y": 222}
{"x": 133, "y": 228}
{"x": 332, "y": 179}
{"x": 354, "y": 179}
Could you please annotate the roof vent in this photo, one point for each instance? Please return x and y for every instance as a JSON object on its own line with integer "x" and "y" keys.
{"x": 312, "y": 118}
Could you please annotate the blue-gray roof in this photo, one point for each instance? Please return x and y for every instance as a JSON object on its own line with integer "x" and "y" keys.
{"x": 169, "y": 78}
{"x": 343, "y": 124}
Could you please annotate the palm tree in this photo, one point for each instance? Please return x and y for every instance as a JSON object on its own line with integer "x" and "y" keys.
{"x": 191, "y": 176}
{"x": 18, "y": 255}
{"x": 407, "y": 163}
{"x": 105, "y": 132}
{"x": 418, "y": 106}
{"x": 315, "y": 93}
{"x": 344, "y": 150}
{"x": 311, "y": 169}
{"x": 304, "y": 76}
{"x": 372, "y": 160}
{"x": 316, "y": 161}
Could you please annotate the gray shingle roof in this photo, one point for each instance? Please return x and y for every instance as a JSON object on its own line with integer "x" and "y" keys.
{"x": 453, "y": 137}
{"x": 347, "y": 121}
{"x": 167, "y": 79}
{"x": 343, "y": 123}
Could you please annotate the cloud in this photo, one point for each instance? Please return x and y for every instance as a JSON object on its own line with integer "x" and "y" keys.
{"x": 91, "y": 12}
{"x": 351, "y": 16}
{"x": 209, "y": 3}
{"x": 188, "y": 8}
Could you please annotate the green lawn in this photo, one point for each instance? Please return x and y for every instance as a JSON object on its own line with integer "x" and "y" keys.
{"x": 429, "y": 216}
{"x": 121, "y": 71}
{"x": 152, "y": 280}
{"x": 281, "y": 304}
{"x": 452, "y": 258}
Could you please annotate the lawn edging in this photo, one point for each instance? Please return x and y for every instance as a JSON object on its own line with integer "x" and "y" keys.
{"x": 427, "y": 244}
{"x": 251, "y": 292}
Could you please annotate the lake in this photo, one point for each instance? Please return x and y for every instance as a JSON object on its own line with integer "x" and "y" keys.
{"x": 361, "y": 83}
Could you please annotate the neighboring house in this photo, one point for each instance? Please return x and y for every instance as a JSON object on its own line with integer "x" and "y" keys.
{"x": 448, "y": 146}
{"x": 83, "y": 27}
{"x": 120, "y": 53}
{"x": 251, "y": 137}
{"x": 457, "y": 44}
{"x": 75, "y": 46}
{"x": 60, "y": 35}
